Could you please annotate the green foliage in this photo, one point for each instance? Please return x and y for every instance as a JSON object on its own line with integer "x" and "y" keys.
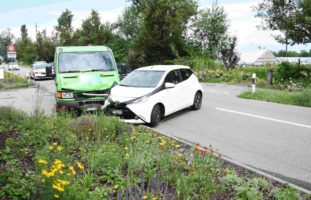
{"x": 287, "y": 71}
{"x": 163, "y": 24}
{"x": 64, "y": 28}
{"x": 285, "y": 193}
{"x": 12, "y": 81}
{"x": 301, "y": 98}
{"x": 211, "y": 30}
{"x": 291, "y": 18}
{"x": 10, "y": 118}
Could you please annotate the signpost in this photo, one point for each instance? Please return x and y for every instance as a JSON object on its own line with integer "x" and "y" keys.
{"x": 11, "y": 51}
{"x": 253, "y": 83}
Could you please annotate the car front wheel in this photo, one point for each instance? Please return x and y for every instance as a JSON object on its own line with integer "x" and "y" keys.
{"x": 197, "y": 102}
{"x": 156, "y": 116}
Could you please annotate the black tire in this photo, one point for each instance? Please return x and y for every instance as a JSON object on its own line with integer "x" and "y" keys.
{"x": 197, "y": 101}
{"x": 156, "y": 115}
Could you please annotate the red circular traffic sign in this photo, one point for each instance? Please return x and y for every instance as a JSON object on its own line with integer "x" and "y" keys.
{"x": 11, "y": 48}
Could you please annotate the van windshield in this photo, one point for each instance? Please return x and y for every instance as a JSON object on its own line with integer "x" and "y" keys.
{"x": 85, "y": 61}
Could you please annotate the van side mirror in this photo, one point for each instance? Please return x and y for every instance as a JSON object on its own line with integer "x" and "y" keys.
{"x": 169, "y": 85}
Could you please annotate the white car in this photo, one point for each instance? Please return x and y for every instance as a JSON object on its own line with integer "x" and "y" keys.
{"x": 148, "y": 94}
{"x": 38, "y": 70}
{"x": 13, "y": 66}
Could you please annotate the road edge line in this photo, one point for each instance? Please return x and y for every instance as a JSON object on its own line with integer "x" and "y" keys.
{"x": 224, "y": 157}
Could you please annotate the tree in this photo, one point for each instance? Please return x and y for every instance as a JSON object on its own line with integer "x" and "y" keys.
{"x": 64, "y": 28}
{"x": 130, "y": 23}
{"x": 6, "y": 38}
{"x": 45, "y": 47}
{"x": 24, "y": 32}
{"x": 229, "y": 56}
{"x": 291, "y": 17}
{"x": 210, "y": 30}
{"x": 163, "y": 23}
{"x": 93, "y": 32}
{"x": 26, "y": 50}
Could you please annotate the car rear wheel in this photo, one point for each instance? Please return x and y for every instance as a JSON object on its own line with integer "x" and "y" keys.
{"x": 156, "y": 115}
{"x": 197, "y": 102}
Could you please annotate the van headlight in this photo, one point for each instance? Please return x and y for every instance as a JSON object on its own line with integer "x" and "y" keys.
{"x": 67, "y": 95}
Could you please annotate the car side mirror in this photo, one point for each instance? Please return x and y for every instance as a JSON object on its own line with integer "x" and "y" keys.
{"x": 169, "y": 85}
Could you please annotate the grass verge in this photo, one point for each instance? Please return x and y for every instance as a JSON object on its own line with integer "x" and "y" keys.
{"x": 12, "y": 81}
{"x": 301, "y": 98}
{"x": 98, "y": 157}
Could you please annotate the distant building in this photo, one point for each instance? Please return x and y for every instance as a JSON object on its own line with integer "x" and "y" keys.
{"x": 267, "y": 57}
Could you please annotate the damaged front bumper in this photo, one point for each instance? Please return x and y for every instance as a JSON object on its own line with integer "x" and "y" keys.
{"x": 121, "y": 110}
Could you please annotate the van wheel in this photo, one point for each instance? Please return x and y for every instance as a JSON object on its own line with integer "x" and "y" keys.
{"x": 197, "y": 102}
{"x": 156, "y": 115}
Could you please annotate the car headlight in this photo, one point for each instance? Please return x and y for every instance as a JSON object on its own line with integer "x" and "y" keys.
{"x": 141, "y": 100}
{"x": 67, "y": 95}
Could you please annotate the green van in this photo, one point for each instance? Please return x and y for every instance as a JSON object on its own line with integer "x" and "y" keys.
{"x": 84, "y": 76}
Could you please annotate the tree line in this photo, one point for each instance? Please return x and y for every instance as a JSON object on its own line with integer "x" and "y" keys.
{"x": 148, "y": 32}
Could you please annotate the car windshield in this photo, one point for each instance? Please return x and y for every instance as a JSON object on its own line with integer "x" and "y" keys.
{"x": 85, "y": 61}
{"x": 12, "y": 63}
{"x": 142, "y": 78}
{"x": 40, "y": 65}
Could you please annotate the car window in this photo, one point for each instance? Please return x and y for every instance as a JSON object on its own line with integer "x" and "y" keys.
{"x": 173, "y": 77}
{"x": 185, "y": 73}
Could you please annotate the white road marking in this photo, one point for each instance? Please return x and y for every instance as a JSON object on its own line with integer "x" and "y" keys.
{"x": 266, "y": 118}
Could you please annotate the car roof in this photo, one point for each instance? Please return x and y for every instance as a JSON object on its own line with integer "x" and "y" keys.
{"x": 82, "y": 48}
{"x": 164, "y": 67}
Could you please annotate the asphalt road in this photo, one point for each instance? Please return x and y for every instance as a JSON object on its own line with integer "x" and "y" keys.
{"x": 271, "y": 137}
{"x": 38, "y": 98}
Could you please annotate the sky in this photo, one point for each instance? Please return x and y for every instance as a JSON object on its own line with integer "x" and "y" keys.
{"x": 44, "y": 13}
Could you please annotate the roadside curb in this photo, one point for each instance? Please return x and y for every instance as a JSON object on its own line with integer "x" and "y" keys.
{"x": 225, "y": 158}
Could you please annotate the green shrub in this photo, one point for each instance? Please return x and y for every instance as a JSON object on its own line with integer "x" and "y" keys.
{"x": 285, "y": 193}
{"x": 10, "y": 118}
{"x": 287, "y": 71}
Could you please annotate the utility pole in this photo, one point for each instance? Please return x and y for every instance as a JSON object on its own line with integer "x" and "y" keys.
{"x": 36, "y": 32}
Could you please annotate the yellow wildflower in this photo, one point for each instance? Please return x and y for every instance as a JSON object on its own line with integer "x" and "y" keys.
{"x": 58, "y": 187}
{"x": 56, "y": 196}
{"x": 54, "y": 143}
{"x": 126, "y": 148}
{"x": 127, "y": 155}
{"x": 80, "y": 166}
{"x": 60, "y": 172}
{"x": 62, "y": 182}
{"x": 145, "y": 197}
{"x": 179, "y": 154}
{"x": 116, "y": 186}
{"x": 72, "y": 170}
{"x": 51, "y": 147}
{"x": 154, "y": 198}
{"x": 43, "y": 162}
{"x": 177, "y": 146}
{"x": 43, "y": 180}
{"x": 44, "y": 172}
{"x": 59, "y": 148}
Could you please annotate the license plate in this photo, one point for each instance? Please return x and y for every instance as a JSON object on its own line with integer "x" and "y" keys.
{"x": 117, "y": 112}
{"x": 92, "y": 109}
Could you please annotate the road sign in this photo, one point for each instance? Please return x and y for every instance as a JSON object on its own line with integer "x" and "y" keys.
{"x": 11, "y": 55}
{"x": 11, "y": 48}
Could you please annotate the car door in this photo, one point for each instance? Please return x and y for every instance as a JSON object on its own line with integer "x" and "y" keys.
{"x": 172, "y": 96}
{"x": 188, "y": 87}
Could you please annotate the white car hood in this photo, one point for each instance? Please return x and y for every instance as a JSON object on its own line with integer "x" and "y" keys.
{"x": 122, "y": 93}
{"x": 39, "y": 70}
